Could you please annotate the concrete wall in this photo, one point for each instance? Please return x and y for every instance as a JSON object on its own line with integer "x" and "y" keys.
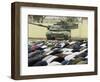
{"x": 35, "y": 31}
{"x": 82, "y": 31}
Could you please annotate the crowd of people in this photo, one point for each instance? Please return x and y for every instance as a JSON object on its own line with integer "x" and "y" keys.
{"x": 55, "y": 52}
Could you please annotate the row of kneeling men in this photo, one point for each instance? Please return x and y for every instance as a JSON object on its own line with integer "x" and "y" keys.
{"x": 45, "y": 53}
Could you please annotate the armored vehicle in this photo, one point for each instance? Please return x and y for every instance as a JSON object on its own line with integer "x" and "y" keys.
{"x": 56, "y": 32}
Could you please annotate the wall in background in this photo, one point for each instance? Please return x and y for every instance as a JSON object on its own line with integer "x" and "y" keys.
{"x": 5, "y": 40}
{"x": 82, "y": 31}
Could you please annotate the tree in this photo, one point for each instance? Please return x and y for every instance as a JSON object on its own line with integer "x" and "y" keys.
{"x": 38, "y": 18}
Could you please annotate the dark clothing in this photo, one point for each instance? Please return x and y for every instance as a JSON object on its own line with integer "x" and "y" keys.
{"x": 75, "y": 61}
{"x": 41, "y": 63}
{"x": 64, "y": 62}
{"x": 74, "y": 46}
{"x": 82, "y": 54}
{"x": 61, "y": 55}
{"x": 66, "y": 44}
{"x": 29, "y": 48}
{"x": 35, "y": 53}
{"x": 59, "y": 59}
{"x": 56, "y": 51}
{"x": 33, "y": 60}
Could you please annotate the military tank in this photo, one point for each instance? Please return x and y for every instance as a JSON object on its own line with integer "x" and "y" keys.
{"x": 58, "y": 32}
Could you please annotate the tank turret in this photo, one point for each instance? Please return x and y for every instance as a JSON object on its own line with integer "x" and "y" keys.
{"x": 56, "y": 32}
